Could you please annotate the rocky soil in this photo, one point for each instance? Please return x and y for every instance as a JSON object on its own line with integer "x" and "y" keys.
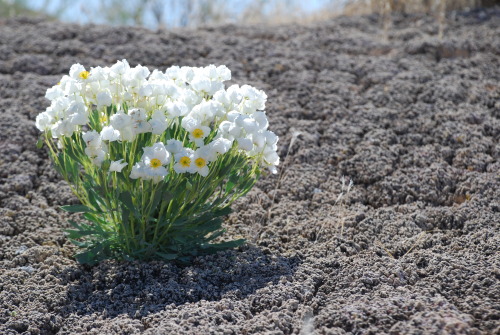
{"x": 413, "y": 248}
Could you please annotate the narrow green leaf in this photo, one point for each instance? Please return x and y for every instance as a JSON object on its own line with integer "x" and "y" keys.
{"x": 167, "y": 257}
{"x": 39, "y": 143}
{"x": 77, "y": 209}
{"x": 76, "y": 234}
{"x": 126, "y": 200}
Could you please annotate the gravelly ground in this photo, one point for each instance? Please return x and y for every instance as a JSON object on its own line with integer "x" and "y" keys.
{"x": 414, "y": 121}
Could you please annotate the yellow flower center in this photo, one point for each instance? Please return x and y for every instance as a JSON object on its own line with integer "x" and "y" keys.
{"x": 84, "y": 74}
{"x": 155, "y": 163}
{"x": 103, "y": 118}
{"x": 185, "y": 161}
{"x": 200, "y": 162}
{"x": 198, "y": 133}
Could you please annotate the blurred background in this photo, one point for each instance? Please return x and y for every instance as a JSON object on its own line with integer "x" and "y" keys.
{"x": 155, "y": 14}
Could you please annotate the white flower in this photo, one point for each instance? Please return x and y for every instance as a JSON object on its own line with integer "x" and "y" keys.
{"x": 59, "y": 106}
{"x": 177, "y": 108}
{"x": 206, "y": 111}
{"x": 206, "y": 86}
{"x": 184, "y": 161}
{"x": 142, "y": 126}
{"x": 234, "y": 94}
{"x": 220, "y": 145}
{"x": 174, "y": 146}
{"x": 63, "y": 128}
{"x": 70, "y": 86}
{"x": 103, "y": 99}
{"x": 201, "y": 84}
{"x": 121, "y": 120}
{"x": 261, "y": 119}
{"x": 210, "y": 72}
{"x": 223, "y": 73}
{"x": 271, "y": 138}
{"x": 158, "y": 122}
{"x": 258, "y": 139}
{"x": 98, "y": 157}
{"x": 190, "y": 98}
{"x": 138, "y": 73}
{"x": 200, "y": 161}
{"x": 146, "y": 90}
{"x": 54, "y": 92}
{"x": 253, "y": 99}
{"x": 44, "y": 121}
{"x": 197, "y": 132}
{"x": 250, "y": 125}
{"x": 223, "y": 98}
{"x": 92, "y": 139}
{"x": 127, "y": 134}
{"x": 139, "y": 123}
{"x": 137, "y": 171}
{"x": 186, "y": 73}
{"x": 154, "y": 159}
{"x": 245, "y": 143}
{"x": 137, "y": 114}
{"x": 77, "y": 113}
{"x": 158, "y": 75}
{"x": 117, "y": 166}
{"x": 78, "y": 72}
{"x": 78, "y": 119}
{"x": 108, "y": 133}
{"x": 272, "y": 158}
{"x": 119, "y": 69}
{"x": 99, "y": 74}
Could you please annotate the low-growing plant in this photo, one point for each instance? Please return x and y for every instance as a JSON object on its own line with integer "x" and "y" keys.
{"x": 156, "y": 159}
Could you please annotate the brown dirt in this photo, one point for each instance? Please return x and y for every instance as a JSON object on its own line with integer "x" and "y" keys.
{"x": 414, "y": 121}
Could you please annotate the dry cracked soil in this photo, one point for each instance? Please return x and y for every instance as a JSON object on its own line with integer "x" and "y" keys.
{"x": 413, "y": 248}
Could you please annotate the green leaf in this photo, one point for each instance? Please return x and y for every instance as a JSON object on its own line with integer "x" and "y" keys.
{"x": 125, "y": 217}
{"x": 156, "y": 199}
{"x": 39, "y": 143}
{"x": 167, "y": 196}
{"x": 77, "y": 209}
{"x": 167, "y": 257}
{"x": 126, "y": 199}
{"x": 105, "y": 165}
{"x": 86, "y": 257}
{"x": 229, "y": 186}
{"x": 76, "y": 234}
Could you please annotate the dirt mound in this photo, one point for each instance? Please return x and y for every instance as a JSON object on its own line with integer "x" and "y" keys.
{"x": 414, "y": 121}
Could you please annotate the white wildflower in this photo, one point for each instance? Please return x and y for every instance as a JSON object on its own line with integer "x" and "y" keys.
{"x": 104, "y": 99}
{"x": 200, "y": 161}
{"x": 108, "y": 133}
{"x": 117, "y": 166}
{"x": 44, "y": 121}
{"x": 174, "y": 146}
{"x": 197, "y": 132}
{"x": 184, "y": 161}
{"x": 78, "y": 72}
{"x": 92, "y": 139}
{"x": 154, "y": 159}
{"x": 158, "y": 122}
{"x": 245, "y": 143}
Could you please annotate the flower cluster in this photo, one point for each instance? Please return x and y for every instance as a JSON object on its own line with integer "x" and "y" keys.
{"x": 195, "y": 99}
{"x": 156, "y": 158}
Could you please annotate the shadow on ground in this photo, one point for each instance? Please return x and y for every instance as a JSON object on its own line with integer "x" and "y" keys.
{"x": 114, "y": 288}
